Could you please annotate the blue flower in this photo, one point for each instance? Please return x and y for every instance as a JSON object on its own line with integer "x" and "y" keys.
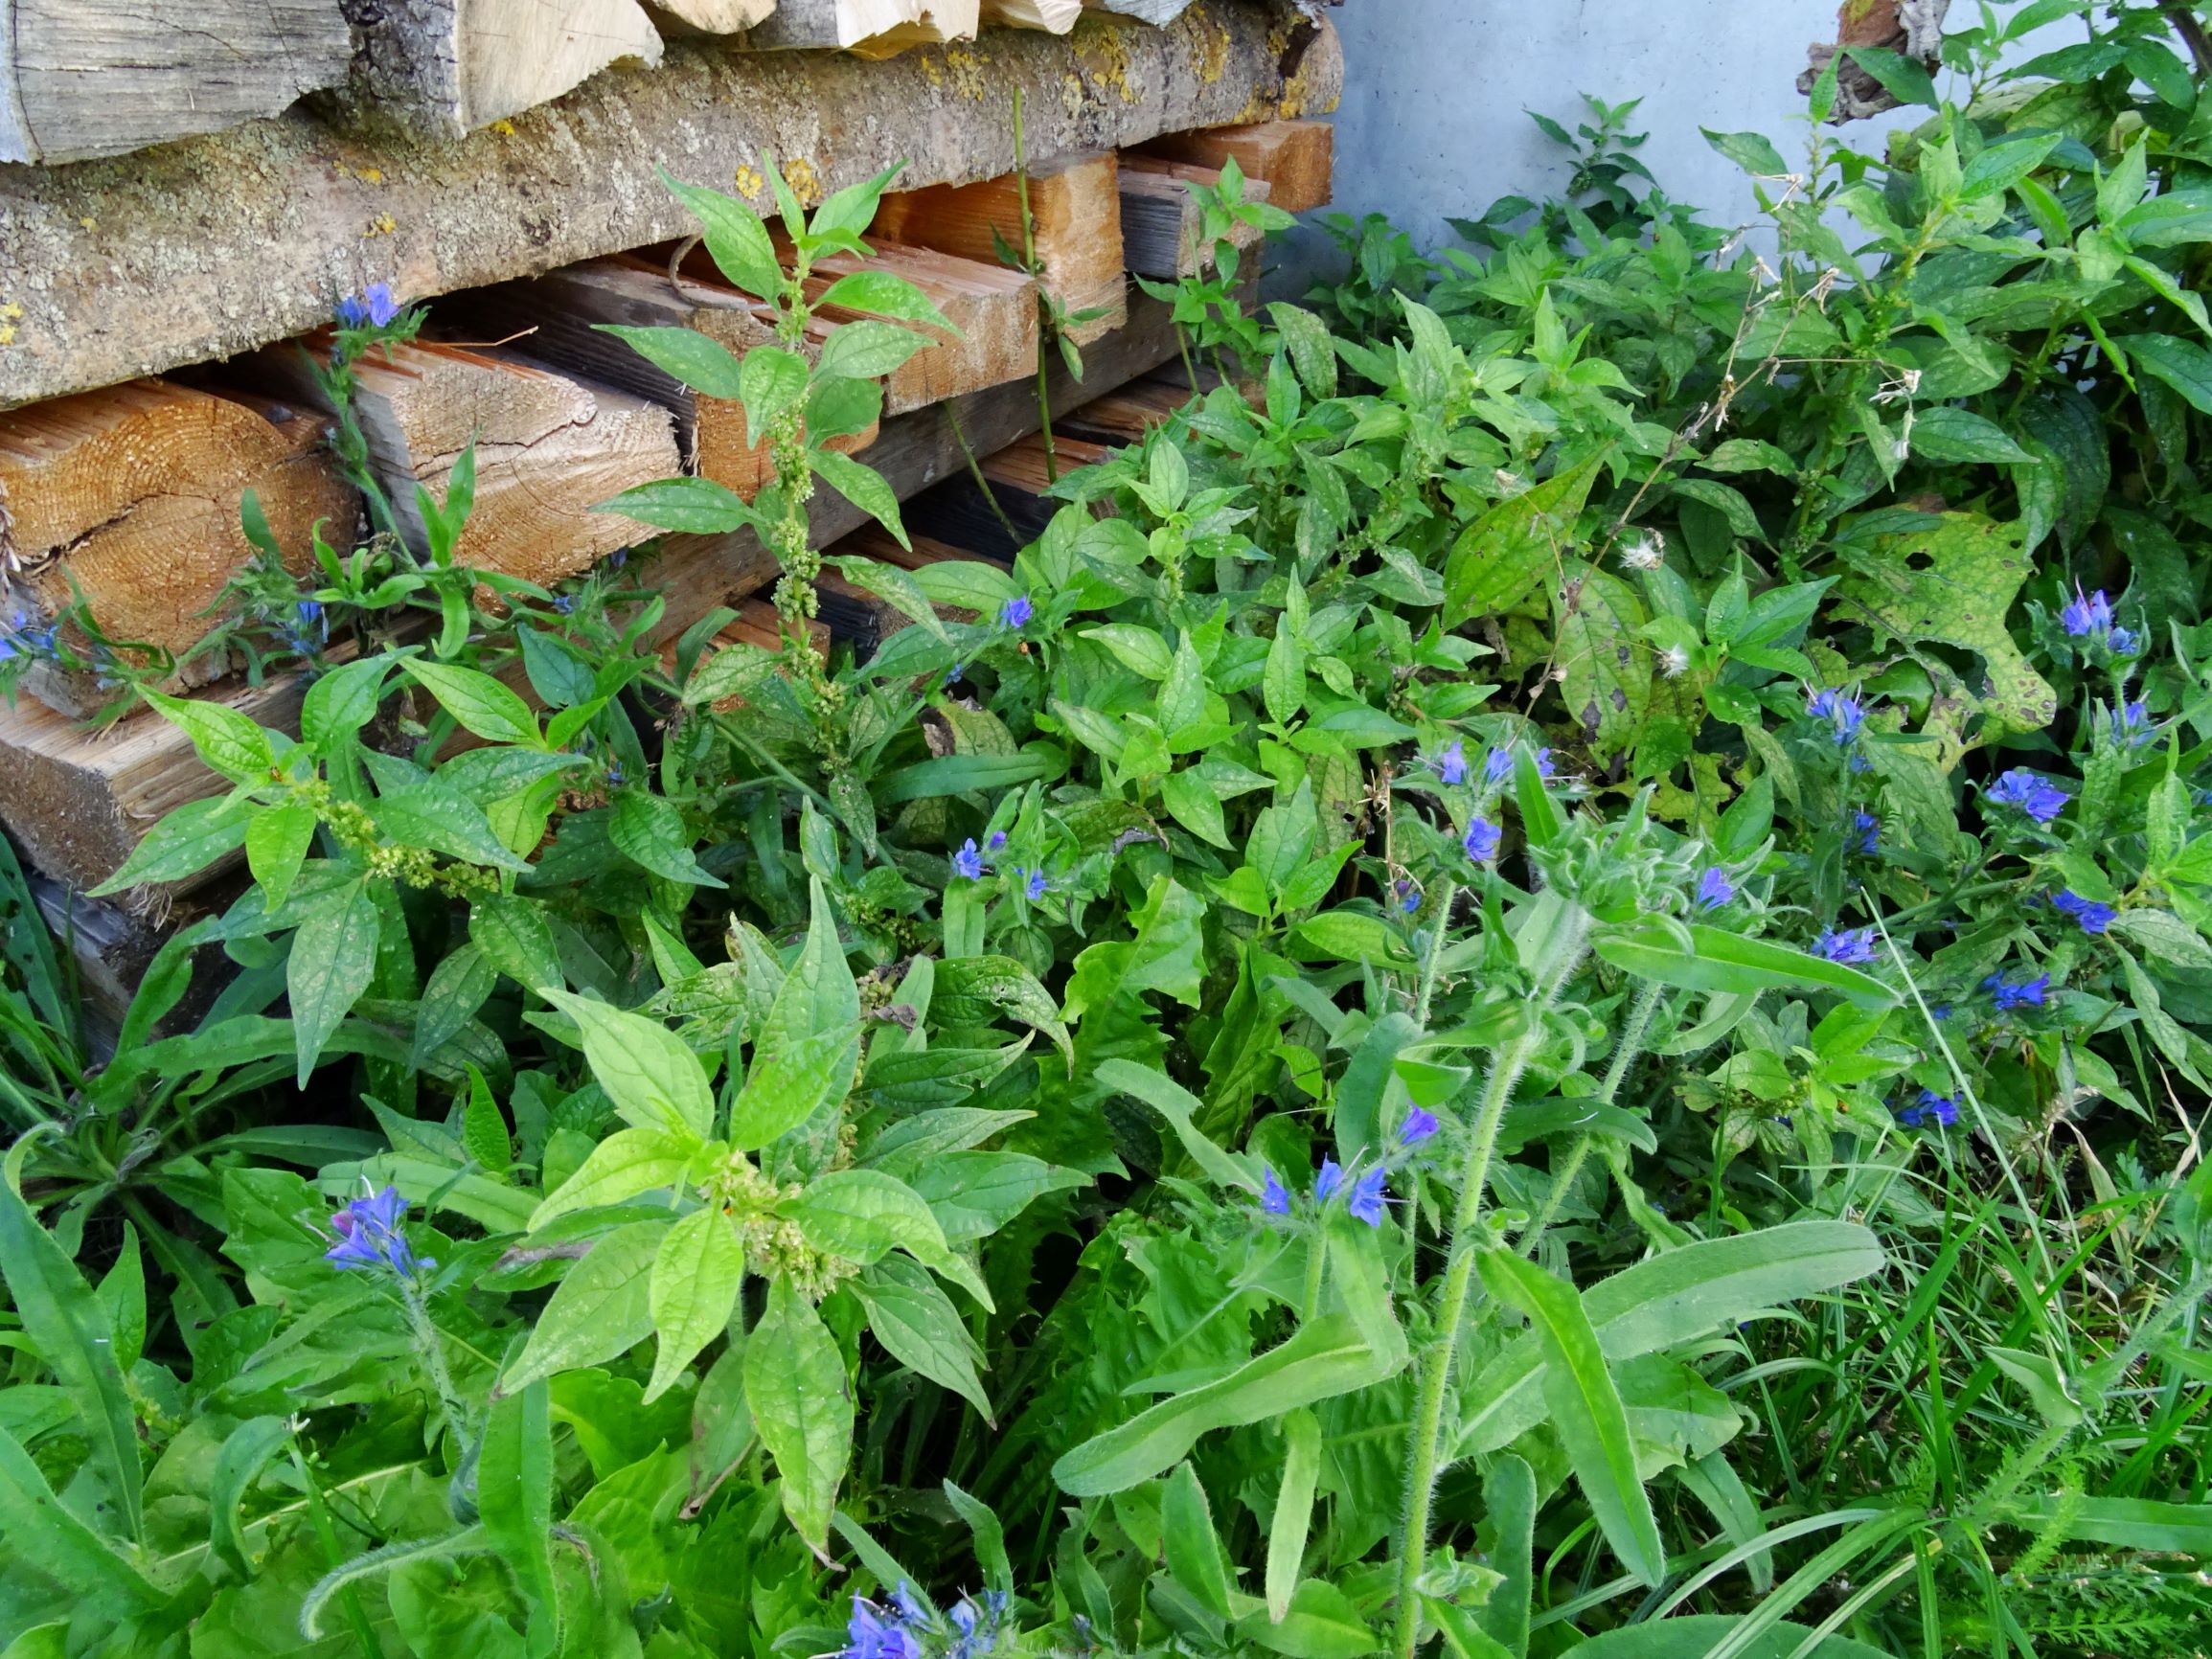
{"x": 1868, "y": 829}
{"x": 1452, "y": 764}
{"x": 1543, "y": 764}
{"x": 1929, "y": 1107}
{"x": 2094, "y": 917}
{"x": 565, "y": 603}
{"x": 968, "y": 863}
{"x": 1481, "y": 840}
{"x": 2087, "y": 616}
{"x": 1329, "y": 1180}
{"x": 1849, "y": 946}
{"x": 1017, "y": 611}
{"x": 310, "y": 610}
{"x": 619, "y": 558}
{"x": 1498, "y": 765}
{"x": 1408, "y": 897}
{"x": 1034, "y": 882}
{"x": 952, "y": 675}
{"x": 2123, "y": 642}
{"x": 369, "y": 1236}
{"x": 2132, "y": 725}
{"x": 909, "y": 1605}
{"x": 1844, "y": 714}
{"x": 2027, "y": 994}
{"x": 1274, "y": 1196}
{"x": 614, "y": 773}
{"x": 995, "y": 840}
{"x": 382, "y": 307}
{"x": 1419, "y": 1127}
{"x": 1368, "y": 1197}
{"x": 2037, "y": 797}
{"x": 870, "y": 1635}
{"x": 352, "y": 313}
{"x": 6, "y": 648}
{"x": 1714, "y": 890}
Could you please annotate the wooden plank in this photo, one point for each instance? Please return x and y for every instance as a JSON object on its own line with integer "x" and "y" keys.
{"x": 217, "y": 244}
{"x": 130, "y": 498}
{"x": 81, "y": 79}
{"x": 549, "y": 448}
{"x": 78, "y": 801}
{"x": 1075, "y": 209}
{"x": 677, "y": 18}
{"x": 448, "y": 67}
{"x": 1053, "y": 16}
{"x": 1297, "y": 158}
{"x": 831, "y": 25}
{"x": 1157, "y": 13}
{"x": 1162, "y": 225}
{"x": 993, "y": 308}
{"x": 1126, "y": 415}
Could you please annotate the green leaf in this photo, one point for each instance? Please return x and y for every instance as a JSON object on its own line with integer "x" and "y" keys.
{"x": 649, "y": 830}
{"x": 1320, "y": 1622}
{"x": 514, "y": 1501}
{"x": 626, "y": 1163}
{"x": 735, "y": 239}
{"x": 655, "y": 1081}
{"x": 839, "y": 408}
{"x": 863, "y": 487}
{"x": 514, "y": 938}
{"x": 848, "y": 211}
{"x": 802, "y": 1406}
{"x": 1669, "y": 1299}
{"x": 1180, "y": 1107}
{"x": 1905, "y": 79}
{"x": 919, "y": 1326}
{"x": 1324, "y": 1358}
{"x": 344, "y": 700}
{"x": 333, "y": 960}
{"x": 1734, "y": 962}
{"x": 1586, "y": 1409}
{"x": 43, "y": 1534}
{"x": 1948, "y": 433}
{"x": 1293, "y": 1510}
{"x": 1196, "y": 805}
{"x": 1506, "y": 552}
{"x": 700, "y": 363}
{"x": 277, "y": 843}
{"x": 1510, "y": 1503}
{"x": 1751, "y": 151}
{"x": 866, "y": 351}
{"x": 71, "y": 1331}
{"x": 885, "y": 296}
{"x": 1694, "y": 1636}
{"x": 1605, "y": 662}
{"x": 2182, "y": 363}
{"x": 601, "y": 1310}
{"x": 2127, "y": 1523}
{"x": 975, "y": 991}
{"x": 245, "y": 1453}
{"x": 443, "y": 820}
{"x": 863, "y": 1214}
{"x": 692, "y": 506}
{"x": 227, "y": 740}
{"x": 184, "y": 842}
{"x": 480, "y": 703}
{"x": 1193, "y": 1548}
{"x": 774, "y": 383}
{"x": 483, "y": 1130}
{"x": 990, "y": 1538}
{"x": 791, "y": 1083}
{"x": 695, "y": 1280}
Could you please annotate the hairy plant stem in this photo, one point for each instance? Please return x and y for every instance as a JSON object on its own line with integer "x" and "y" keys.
{"x": 1630, "y": 1045}
{"x": 333, "y": 1552}
{"x": 1561, "y": 952}
{"x": 1046, "y": 334}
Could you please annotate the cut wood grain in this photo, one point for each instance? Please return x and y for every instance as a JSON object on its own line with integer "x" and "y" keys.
{"x": 1157, "y": 13}
{"x": 451, "y": 66}
{"x": 1297, "y": 158}
{"x": 1162, "y": 225}
{"x": 1124, "y": 415}
{"x": 1053, "y": 16}
{"x": 81, "y": 79}
{"x": 839, "y": 25}
{"x": 549, "y": 448}
{"x": 992, "y": 308}
{"x": 1075, "y": 207}
{"x": 78, "y": 801}
{"x": 218, "y": 244}
{"x": 130, "y": 499}
{"x": 676, "y": 18}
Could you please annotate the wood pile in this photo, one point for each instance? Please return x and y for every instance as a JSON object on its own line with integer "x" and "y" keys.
{"x": 126, "y": 458}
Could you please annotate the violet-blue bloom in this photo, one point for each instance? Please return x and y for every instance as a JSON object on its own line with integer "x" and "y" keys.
{"x": 1714, "y": 890}
{"x": 1331, "y": 1178}
{"x": 1868, "y": 830}
{"x": 1034, "y": 883}
{"x": 1481, "y": 840}
{"x": 1543, "y": 764}
{"x": 2027, "y": 994}
{"x": 995, "y": 841}
{"x": 1849, "y": 946}
{"x": 2123, "y": 641}
{"x": 1452, "y": 764}
{"x": 1844, "y": 714}
{"x": 1419, "y": 1126}
{"x": 968, "y": 863}
{"x": 1498, "y": 765}
{"x": 2132, "y": 725}
{"x": 1017, "y": 611}
{"x": 2085, "y": 616}
{"x": 909, "y": 1604}
{"x": 1368, "y": 1197}
{"x": 2094, "y": 917}
{"x": 1274, "y": 1196}
{"x": 1929, "y": 1107}
{"x": 369, "y": 1236}
{"x": 870, "y": 1635}
{"x": 2039, "y": 798}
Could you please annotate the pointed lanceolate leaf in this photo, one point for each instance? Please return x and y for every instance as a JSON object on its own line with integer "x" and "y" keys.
{"x": 696, "y": 1278}
{"x": 801, "y": 1407}
{"x": 333, "y": 958}
{"x": 600, "y": 1312}
{"x": 653, "y": 1079}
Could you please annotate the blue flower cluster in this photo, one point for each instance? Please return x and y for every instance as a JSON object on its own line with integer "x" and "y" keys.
{"x": 2037, "y": 797}
{"x": 306, "y": 630}
{"x": 1929, "y": 1108}
{"x": 25, "y": 638}
{"x": 374, "y": 309}
{"x": 1369, "y": 1191}
{"x": 1843, "y": 713}
{"x": 1714, "y": 890}
{"x": 369, "y": 1236}
{"x": 907, "y": 1629}
{"x": 1850, "y": 946}
{"x": 2094, "y": 917}
{"x": 2008, "y": 995}
{"x": 1017, "y": 611}
{"x": 2090, "y": 617}
{"x": 968, "y": 862}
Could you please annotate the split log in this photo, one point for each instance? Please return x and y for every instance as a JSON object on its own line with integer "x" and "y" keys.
{"x": 1157, "y": 13}
{"x": 676, "y": 18}
{"x": 218, "y": 244}
{"x": 548, "y": 449}
{"x": 995, "y": 310}
{"x": 1075, "y": 209}
{"x": 1163, "y": 228}
{"x": 451, "y": 66}
{"x": 837, "y": 25}
{"x": 130, "y": 498}
{"x": 1053, "y": 16}
{"x": 81, "y": 79}
{"x": 1297, "y": 158}
{"x": 78, "y": 801}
